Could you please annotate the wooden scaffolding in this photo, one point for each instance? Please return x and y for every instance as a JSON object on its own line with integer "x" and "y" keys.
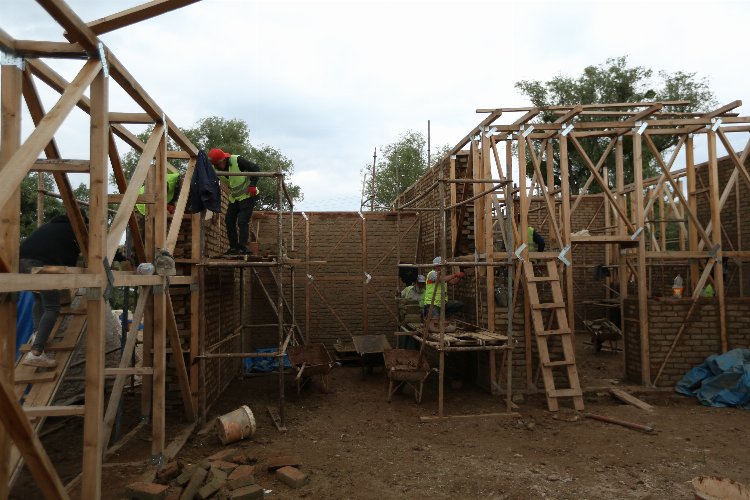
{"x": 22, "y": 69}
{"x": 637, "y": 215}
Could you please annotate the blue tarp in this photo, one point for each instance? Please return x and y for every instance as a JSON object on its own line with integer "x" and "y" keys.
{"x": 722, "y": 380}
{"x": 24, "y": 321}
{"x": 265, "y": 365}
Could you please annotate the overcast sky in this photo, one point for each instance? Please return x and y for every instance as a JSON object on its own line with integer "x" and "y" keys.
{"x": 327, "y": 82}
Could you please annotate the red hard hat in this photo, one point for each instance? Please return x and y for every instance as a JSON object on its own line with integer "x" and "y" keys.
{"x": 216, "y": 155}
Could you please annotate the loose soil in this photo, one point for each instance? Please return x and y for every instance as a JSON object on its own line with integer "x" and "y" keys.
{"x": 354, "y": 444}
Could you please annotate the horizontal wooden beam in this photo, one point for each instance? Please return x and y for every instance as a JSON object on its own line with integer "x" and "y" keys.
{"x": 53, "y": 411}
{"x": 140, "y": 370}
{"x": 17, "y": 282}
{"x": 67, "y": 166}
{"x": 33, "y": 49}
{"x": 141, "y": 118}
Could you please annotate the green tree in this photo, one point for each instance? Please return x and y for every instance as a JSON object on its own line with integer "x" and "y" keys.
{"x": 400, "y": 164}
{"x": 52, "y": 206}
{"x": 233, "y": 136}
{"x": 611, "y": 82}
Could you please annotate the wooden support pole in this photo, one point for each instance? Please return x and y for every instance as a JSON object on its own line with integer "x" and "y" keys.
{"x": 365, "y": 320}
{"x": 637, "y": 200}
{"x": 10, "y": 140}
{"x": 713, "y": 186}
{"x": 489, "y": 243}
{"x": 158, "y": 422}
{"x": 91, "y": 486}
{"x": 565, "y": 213}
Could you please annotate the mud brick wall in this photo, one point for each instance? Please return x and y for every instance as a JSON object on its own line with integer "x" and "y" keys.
{"x": 700, "y": 339}
{"x": 335, "y": 293}
{"x": 221, "y": 310}
{"x": 736, "y": 231}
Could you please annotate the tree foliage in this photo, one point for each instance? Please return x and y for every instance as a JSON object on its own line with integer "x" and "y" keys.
{"x": 232, "y": 136}
{"x": 400, "y": 164}
{"x": 615, "y": 82}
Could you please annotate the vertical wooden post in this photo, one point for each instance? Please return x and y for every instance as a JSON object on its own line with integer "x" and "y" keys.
{"x": 195, "y": 305}
{"x": 713, "y": 187}
{"x": 280, "y": 295}
{"x": 148, "y": 314}
{"x": 489, "y": 246}
{"x": 622, "y": 269}
{"x": 523, "y": 210}
{"x": 693, "y": 206}
{"x": 454, "y": 198}
{"x": 159, "y": 208}
{"x": 637, "y": 201}
{"x": 662, "y": 222}
{"x": 365, "y": 319}
{"x": 10, "y": 141}
{"x": 91, "y": 486}
{"x": 307, "y": 279}
{"x": 566, "y": 229}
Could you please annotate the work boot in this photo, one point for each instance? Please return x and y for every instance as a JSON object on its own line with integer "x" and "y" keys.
{"x": 233, "y": 251}
{"x": 39, "y": 360}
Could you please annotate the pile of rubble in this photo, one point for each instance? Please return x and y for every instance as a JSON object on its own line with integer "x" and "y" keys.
{"x": 227, "y": 475}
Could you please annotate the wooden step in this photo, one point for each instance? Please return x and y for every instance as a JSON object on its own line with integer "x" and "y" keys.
{"x": 34, "y": 377}
{"x": 538, "y": 279}
{"x": 53, "y": 411}
{"x": 563, "y": 362}
{"x": 564, "y": 393}
{"x": 549, "y": 305}
{"x": 561, "y": 331}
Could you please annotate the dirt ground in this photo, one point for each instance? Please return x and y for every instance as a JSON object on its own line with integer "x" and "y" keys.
{"x": 354, "y": 444}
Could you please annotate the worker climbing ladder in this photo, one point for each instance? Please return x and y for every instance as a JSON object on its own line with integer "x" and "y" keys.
{"x": 556, "y": 327}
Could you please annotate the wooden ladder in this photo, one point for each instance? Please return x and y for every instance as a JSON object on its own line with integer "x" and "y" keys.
{"x": 36, "y": 387}
{"x": 558, "y": 327}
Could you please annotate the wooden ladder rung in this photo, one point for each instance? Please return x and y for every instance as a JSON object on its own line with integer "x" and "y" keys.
{"x": 564, "y": 393}
{"x": 562, "y": 362}
{"x": 561, "y": 331}
{"x": 537, "y": 279}
{"x": 53, "y": 411}
{"x": 549, "y": 305}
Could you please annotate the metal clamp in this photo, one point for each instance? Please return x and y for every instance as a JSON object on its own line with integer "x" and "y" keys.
{"x": 562, "y": 257}
{"x": 9, "y": 59}
{"x": 527, "y": 131}
{"x": 519, "y": 251}
{"x": 714, "y": 252}
{"x": 361, "y": 215}
{"x": 641, "y": 128}
{"x": 103, "y": 59}
{"x": 491, "y": 131}
{"x": 304, "y": 216}
{"x": 568, "y": 129}
{"x": 310, "y": 277}
{"x": 636, "y": 234}
{"x": 368, "y": 278}
{"x": 716, "y": 124}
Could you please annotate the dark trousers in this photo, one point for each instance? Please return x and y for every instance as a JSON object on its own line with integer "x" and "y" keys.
{"x": 452, "y": 307}
{"x": 46, "y": 308}
{"x": 239, "y": 214}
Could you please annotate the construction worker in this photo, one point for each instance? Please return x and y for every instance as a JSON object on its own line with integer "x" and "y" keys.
{"x": 243, "y": 194}
{"x": 440, "y": 291}
{"x": 536, "y": 241}
{"x": 52, "y": 244}
{"x": 174, "y": 184}
{"x": 414, "y": 292}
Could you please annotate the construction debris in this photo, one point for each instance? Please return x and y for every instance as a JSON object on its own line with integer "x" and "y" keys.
{"x": 630, "y": 399}
{"x": 624, "y": 423}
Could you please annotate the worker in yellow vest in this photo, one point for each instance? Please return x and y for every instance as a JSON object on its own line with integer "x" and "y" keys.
{"x": 439, "y": 290}
{"x": 174, "y": 184}
{"x": 243, "y": 193}
{"x": 535, "y": 240}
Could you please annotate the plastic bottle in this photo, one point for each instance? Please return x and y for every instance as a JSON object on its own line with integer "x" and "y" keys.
{"x": 677, "y": 287}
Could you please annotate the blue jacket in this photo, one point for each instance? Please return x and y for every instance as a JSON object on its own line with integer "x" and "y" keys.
{"x": 205, "y": 192}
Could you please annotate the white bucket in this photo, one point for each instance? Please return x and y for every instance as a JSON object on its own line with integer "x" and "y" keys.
{"x": 236, "y": 425}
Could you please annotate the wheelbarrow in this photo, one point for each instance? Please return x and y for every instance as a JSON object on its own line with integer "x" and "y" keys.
{"x": 603, "y": 330}
{"x": 406, "y": 367}
{"x": 310, "y": 360}
{"x": 370, "y": 348}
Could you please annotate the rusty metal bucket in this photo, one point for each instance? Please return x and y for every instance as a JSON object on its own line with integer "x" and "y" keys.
{"x": 235, "y": 425}
{"x": 716, "y": 488}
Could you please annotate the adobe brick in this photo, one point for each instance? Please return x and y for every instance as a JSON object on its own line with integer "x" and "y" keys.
{"x": 292, "y": 476}
{"x": 146, "y": 491}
